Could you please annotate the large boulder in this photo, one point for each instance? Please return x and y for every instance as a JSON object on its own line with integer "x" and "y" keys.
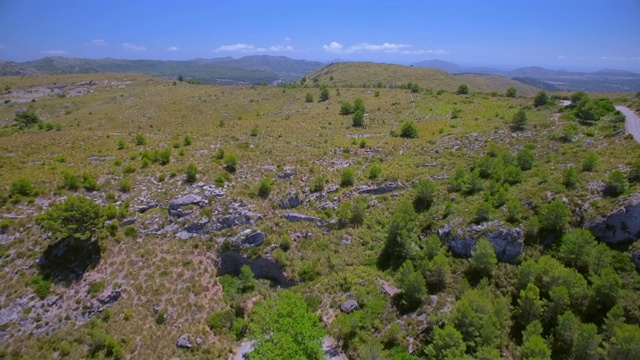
{"x": 349, "y": 306}
{"x": 296, "y": 217}
{"x": 508, "y": 242}
{"x": 290, "y": 202}
{"x": 253, "y": 239}
{"x": 621, "y": 225}
{"x": 183, "y": 342}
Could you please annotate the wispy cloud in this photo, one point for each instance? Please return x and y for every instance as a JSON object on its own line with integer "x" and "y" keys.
{"x": 252, "y": 48}
{"x": 55, "y": 52}
{"x": 336, "y": 47}
{"x": 3, "y": 46}
{"x": 98, "y": 42}
{"x": 173, "y": 48}
{"x": 133, "y": 47}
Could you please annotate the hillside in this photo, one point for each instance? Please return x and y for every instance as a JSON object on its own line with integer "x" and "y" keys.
{"x": 355, "y": 73}
{"x": 229, "y": 71}
{"x": 201, "y": 219}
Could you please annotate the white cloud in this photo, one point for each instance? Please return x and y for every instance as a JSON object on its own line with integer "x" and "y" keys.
{"x": 173, "y": 48}
{"x": 386, "y": 47}
{"x": 561, "y": 57}
{"x": 2, "y": 46}
{"x": 425, "y": 51}
{"x": 336, "y": 47}
{"x": 54, "y": 52}
{"x": 251, "y": 48}
{"x": 133, "y": 47}
{"x": 98, "y": 42}
{"x": 287, "y": 39}
{"x": 333, "y": 47}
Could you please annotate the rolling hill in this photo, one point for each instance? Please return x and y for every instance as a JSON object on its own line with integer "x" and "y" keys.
{"x": 352, "y": 73}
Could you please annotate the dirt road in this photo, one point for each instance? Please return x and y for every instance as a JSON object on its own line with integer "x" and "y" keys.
{"x": 632, "y": 123}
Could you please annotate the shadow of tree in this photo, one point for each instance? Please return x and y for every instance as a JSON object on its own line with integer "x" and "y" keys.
{"x": 66, "y": 261}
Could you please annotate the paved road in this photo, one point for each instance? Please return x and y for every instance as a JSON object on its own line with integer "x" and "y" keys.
{"x": 632, "y": 123}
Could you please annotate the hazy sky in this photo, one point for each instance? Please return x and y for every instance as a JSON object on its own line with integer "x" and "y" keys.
{"x": 569, "y": 34}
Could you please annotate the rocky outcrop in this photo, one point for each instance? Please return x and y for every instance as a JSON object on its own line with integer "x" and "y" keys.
{"x": 382, "y": 189}
{"x": 508, "y": 242}
{"x": 635, "y": 257}
{"x": 621, "y": 225}
{"x": 295, "y": 217}
{"x": 187, "y": 200}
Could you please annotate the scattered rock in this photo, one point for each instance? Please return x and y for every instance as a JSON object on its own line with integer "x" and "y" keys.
{"x": 620, "y": 225}
{"x": 291, "y": 202}
{"x": 156, "y": 309}
{"x": 349, "y": 306}
{"x": 183, "y": 342}
{"x": 127, "y": 222}
{"x": 145, "y": 205}
{"x": 179, "y": 202}
{"x": 286, "y": 175}
{"x": 588, "y": 142}
{"x": 52, "y": 300}
{"x": 230, "y": 263}
{"x": 346, "y": 240}
{"x": 109, "y": 296}
{"x": 382, "y": 189}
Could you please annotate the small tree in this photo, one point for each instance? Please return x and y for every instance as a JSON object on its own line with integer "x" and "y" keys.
{"x": 324, "y": 93}
{"x": 139, "y": 139}
{"x": 555, "y": 217}
{"x": 424, "y": 195}
{"x": 180, "y": 78}
{"x": 358, "y": 105}
{"x": 462, "y": 89}
{"x": 412, "y": 285}
{"x": 541, "y": 99}
{"x": 346, "y": 108}
{"x": 230, "y": 163}
{"x": 511, "y": 92}
{"x": 76, "y": 218}
{"x": 525, "y": 159}
{"x": 309, "y": 98}
{"x": 483, "y": 259}
{"x": 519, "y": 120}
{"x": 590, "y": 162}
{"x": 570, "y": 177}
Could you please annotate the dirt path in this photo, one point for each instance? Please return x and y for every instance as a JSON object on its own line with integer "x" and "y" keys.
{"x": 632, "y": 123}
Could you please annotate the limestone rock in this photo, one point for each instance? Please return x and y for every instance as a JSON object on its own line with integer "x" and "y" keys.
{"x": 508, "y": 242}
{"x": 183, "y": 342}
{"x": 636, "y": 259}
{"x": 621, "y": 225}
{"x": 295, "y": 217}
{"x": 349, "y": 306}
{"x": 182, "y": 201}
{"x": 253, "y": 239}
{"x": 382, "y": 189}
{"x": 290, "y": 202}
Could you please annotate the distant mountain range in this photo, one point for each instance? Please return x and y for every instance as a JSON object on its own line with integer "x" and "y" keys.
{"x": 605, "y": 80}
{"x": 246, "y": 70}
{"x": 261, "y": 69}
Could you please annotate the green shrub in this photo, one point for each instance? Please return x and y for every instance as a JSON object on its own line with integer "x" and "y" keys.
{"x": 22, "y": 187}
{"x": 482, "y": 212}
{"x": 96, "y": 288}
{"x": 570, "y": 177}
{"x": 221, "y": 321}
{"x": 462, "y": 89}
{"x": 124, "y": 185}
{"x": 347, "y": 177}
{"x": 191, "y": 173}
{"x": 309, "y": 98}
{"x": 519, "y": 120}
{"x": 89, "y": 183}
{"x": 424, "y": 195}
{"x": 70, "y": 181}
{"x": 318, "y": 183}
{"x": 41, "y": 287}
{"x": 541, "y": 99}
{"x": 616, "y": 183}
{"x": 511, "y": 92}
{"x": 187, "y": 140}
{"x": 358, "y": 119}
{"x": 374, "y": 171}
{"x": 590, "y": 162}
{"x": 219, "y": 154}
{"x": 230, "y": 163}
{"x": 139, "y": 139}
{"x": 77, "y": 218}
{"x": 254, "y": 131}
{"x": 285, "y": 242}
{"x": 264, "y": 188}
{"x": 121, "y": 144}
{"x": 346, "y": 108}
{"x": 408, "y": 130}
{"x": 130, "y": 231}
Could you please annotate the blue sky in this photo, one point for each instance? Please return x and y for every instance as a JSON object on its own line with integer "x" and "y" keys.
{"x": 568, "y": 34}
